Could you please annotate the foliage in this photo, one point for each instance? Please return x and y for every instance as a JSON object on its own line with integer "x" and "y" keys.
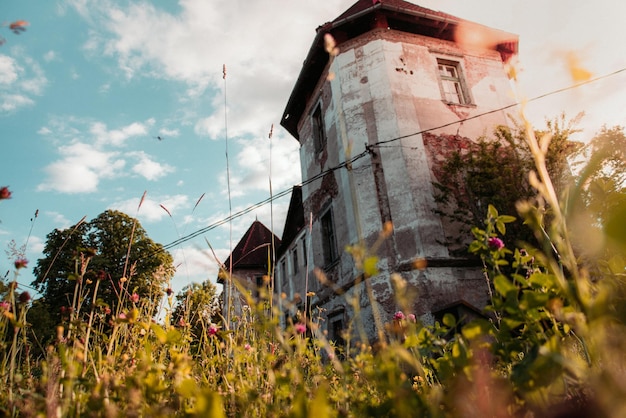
{"x": 95, "y": 265}
{"x": 551, "y": 343}
{"x": 198, "y": 308}
{"x": 493, "y": 171}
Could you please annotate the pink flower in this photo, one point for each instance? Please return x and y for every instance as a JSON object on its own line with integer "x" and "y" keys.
{"x": 5, "y": 306}
{"x": 212, "y": 329}
{"x": 495, "y": 243}
{"x": 5, "y": 193}
{"x": 412, "y": 318}
{"x": 399, "y": 316}
{"x": 21, "y": 263}
{"x": 247, "y": 347}
{"x": 122, "y": 316}
{"x": 134, "y": 298}
{"x": 300, "y": 328}
{"x": 24, "y": 297}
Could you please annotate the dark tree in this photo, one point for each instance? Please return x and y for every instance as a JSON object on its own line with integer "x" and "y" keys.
{"x": 197, "y": 306}
{"x": 112, "y": 251}
{"x": 495, "y": 171}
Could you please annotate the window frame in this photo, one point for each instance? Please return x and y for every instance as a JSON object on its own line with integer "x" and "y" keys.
{"x": 318, "y": 128}
{"x": 457, "y": 81}
{"x": 329, "y": 238}
{"x": 294, "y": 259}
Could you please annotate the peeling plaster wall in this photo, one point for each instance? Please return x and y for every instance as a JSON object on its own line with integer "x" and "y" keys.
{"x": 386, "y": 86}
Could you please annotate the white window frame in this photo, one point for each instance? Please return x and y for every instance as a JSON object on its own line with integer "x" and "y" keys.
{"x": 452, "y": 82}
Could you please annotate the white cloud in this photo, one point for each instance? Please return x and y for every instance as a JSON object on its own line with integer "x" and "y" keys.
{"x": 19, "y": 81}
{"x": 58, "y": 219}
{"x": 164, "y": 132}
{"x": 49, "y": 56}
{"x": 81, "y": 169}
{"x": 148, "y": 168}
{"x": 151, "y": 209}
{"x": 10, "y": 102}
{"x": 196, "y": 264}
{"x": 9, "y": 70}
{"x": 117, "y": 137}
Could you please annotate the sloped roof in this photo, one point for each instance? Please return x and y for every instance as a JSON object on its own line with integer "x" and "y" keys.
{"x": 295, "y": 219}
{"x": 252, "y": 250}
{"x": 400, "y": 5}
{"x": 361, "y": 17}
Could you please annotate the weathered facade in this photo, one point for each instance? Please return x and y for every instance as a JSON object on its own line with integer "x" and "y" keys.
{"x": 361, "y": 114}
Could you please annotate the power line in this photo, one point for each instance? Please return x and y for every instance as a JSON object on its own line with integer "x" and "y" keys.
{"x": 378, "y": 144}
{"x": 541, "y": 96}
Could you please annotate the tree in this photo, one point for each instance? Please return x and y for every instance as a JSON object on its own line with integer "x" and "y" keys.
{"x": 197, "y": 307}
{"x": 100, "y": 262}
{"x": 494, "y": 171}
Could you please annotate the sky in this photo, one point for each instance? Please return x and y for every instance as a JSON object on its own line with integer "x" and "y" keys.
{"x": 102, "y": 101}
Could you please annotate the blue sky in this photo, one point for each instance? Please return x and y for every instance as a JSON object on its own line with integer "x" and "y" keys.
{"x": 88, "y": 88}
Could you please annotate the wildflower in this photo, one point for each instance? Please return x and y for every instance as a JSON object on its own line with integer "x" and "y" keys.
{"x": 182, "y": 323}
{"x": 5, "y": 193}
{"x": 21, "y": 263}
{"x": 107, "y": 311}
{"x": 169, "y": 291}
{"x": 212, "y": 329}
{"x": 101, "y": 275}
{"x": 412, "y": 318}
{"x": 300, "y": 328}
{"x": 247, "y": 347}
{"x": 5, "y": 306}
{"x": 399, "y": 316}
{"x": 122, "y": 316}
{"x": 495, "y": 243}
{"x": 24, "y": 297}
{"x": 134, "y": 298}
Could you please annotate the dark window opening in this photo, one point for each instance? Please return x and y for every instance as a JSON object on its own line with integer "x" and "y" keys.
{"x": 319, "y": 133}
{"x": 294, "y": 259}
{"x": 329, "y": 242}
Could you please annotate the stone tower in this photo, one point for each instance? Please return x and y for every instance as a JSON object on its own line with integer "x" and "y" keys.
{"x": 373, "y": 118}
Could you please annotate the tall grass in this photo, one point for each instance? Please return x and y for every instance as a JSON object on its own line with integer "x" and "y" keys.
{"x": 552, "y": 343}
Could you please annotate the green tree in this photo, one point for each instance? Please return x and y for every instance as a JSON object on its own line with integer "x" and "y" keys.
{"x": 110, "y": 257}
{"x": 197, "y": 306}
{"x": 494, "y": 171}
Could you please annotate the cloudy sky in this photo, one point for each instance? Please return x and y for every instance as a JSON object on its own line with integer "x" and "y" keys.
{"x": 90, "y": 87}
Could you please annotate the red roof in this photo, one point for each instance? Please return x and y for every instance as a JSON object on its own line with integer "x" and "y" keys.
{"x": 252, "y": 249}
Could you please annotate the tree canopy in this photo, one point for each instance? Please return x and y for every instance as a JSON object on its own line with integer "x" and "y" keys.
{"x": 114, "y": 251}
{"x": 494, "y": 171}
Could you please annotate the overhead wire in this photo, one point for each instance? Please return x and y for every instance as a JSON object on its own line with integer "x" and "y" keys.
{"x": 368, "y": 150}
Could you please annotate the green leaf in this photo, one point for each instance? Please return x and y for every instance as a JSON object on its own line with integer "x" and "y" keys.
{"x": 492, "y": 212}
{"x": 449, "y": 320}
{"x": 369, "y": 266}
{"x": 507, "y": 219}
{"x": 476, "y": 329}
{"x": 159, "y": 332}
{"x": 503, "y": 285}
{"x": 533, "y": 299}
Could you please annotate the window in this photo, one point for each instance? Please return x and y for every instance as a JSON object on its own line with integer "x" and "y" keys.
{"x": 260, "y": 284}
{"x": 319, "y": 133}
{"x": 305, "y": 256}
{"x": 283, "y": 271}
{"x": 294, "y": 260}
{"x": 336, "y": 328}
{"x": 451, "y": 82}
{"x": 328, "y": 238}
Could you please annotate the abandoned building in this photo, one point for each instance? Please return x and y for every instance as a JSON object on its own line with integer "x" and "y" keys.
{"x": 374, "y": 108}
